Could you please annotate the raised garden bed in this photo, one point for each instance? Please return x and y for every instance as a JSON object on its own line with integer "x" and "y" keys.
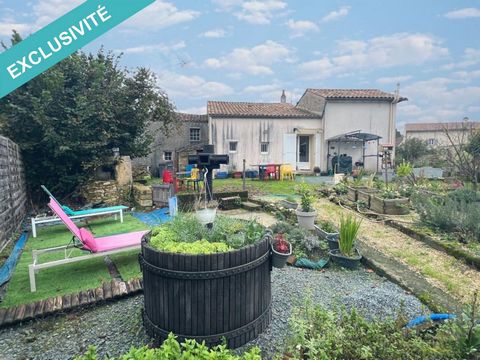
{"x": 352, "y": 194}
{"x": 365, "y": 196}
{"x": 389, "y": 206}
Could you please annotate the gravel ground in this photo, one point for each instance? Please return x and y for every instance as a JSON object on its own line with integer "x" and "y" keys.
{"x": 117, "y": 326}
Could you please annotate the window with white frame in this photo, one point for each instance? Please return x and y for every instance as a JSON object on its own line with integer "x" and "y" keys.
{"x": 194, "y": 134}
{"x": 431, "y": 142}
{"x": 264, "y": 147}
{"x": 167, "y": 156}
{"x": 233, "y": 146}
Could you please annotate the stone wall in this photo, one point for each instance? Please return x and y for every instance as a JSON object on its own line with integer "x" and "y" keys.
{"x": 111, "y": 192}
{"x": 13, "y": 192}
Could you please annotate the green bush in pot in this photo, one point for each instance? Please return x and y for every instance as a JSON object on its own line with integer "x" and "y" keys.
{"x": 306, "y": 214}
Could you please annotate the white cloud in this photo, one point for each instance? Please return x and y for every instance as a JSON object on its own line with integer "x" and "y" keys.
{"x": 336, "y": 14}
{"x": 379, "y": 52}
{"x": 47, "y": 11}
{"x": 227, "y": 4}
{"x": 7, "y": 27}
{"x": 159, "y": 48}
{"x": 159, "y": 15}
{"x": 200, "y": 110}
{"x": 260, "y": 12}
{"x": 463, "y": 13}
{"x": 44, "y": 12}
{"x": 438, "y": 99}
{"x": 214, "y": 33}
{"x": 184, "y": 86}
{"x": 470, "y": 57}
{"x": 253, "y": 61}
{"x": 301, "y": 27}
{"x": 393, "y": 79}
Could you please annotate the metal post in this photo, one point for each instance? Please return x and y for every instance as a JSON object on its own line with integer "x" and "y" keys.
{"x": 209, "y": 185}
{"x": 244, "y": 185}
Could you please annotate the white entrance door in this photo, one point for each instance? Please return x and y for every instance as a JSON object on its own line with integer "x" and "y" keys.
{"x": 290, "y": 149}
{"x": 303, "y": 152}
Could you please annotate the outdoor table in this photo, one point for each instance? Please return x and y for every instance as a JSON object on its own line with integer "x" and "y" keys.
{"x": 262, "y": 168}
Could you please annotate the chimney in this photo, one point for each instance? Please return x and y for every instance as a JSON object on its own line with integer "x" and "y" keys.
{"x": 283, "y": 98}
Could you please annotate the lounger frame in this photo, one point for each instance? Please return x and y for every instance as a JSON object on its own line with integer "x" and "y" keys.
{"x": 53, "y": 219}
{"x": 36, "y": 266}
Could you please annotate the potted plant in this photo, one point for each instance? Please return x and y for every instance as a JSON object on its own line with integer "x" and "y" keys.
{"x": 306, "y": 214}
{"x": 326, "y": 230}
{"x": 347, "y": 254}
{"x": 316, "y": 171}
{"x": 289, "y": 202}
{"x": 281, "y": 251}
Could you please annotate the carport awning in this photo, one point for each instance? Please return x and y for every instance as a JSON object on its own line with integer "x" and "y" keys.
{"x": 354, "y": 137}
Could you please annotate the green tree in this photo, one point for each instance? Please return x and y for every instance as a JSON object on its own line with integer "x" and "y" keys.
{"x": 411, "y": 150}
{"x": 68, "y": 119}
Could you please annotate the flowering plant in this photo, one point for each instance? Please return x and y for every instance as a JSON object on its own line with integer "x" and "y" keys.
{"x": 281, "y": 245}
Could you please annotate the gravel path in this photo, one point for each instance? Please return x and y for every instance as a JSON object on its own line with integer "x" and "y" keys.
{"x": 117, "y": 326}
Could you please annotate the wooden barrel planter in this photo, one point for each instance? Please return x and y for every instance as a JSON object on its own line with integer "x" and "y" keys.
{"x": 207, "y": 297}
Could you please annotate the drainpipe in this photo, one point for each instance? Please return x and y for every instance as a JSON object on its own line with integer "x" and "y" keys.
{"x": 210, "y": 140}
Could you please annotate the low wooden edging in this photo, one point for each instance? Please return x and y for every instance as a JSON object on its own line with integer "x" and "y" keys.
{"x": 108, "y": 291}
{"x": 468, "y": 258}
{"x": 395, "y": 271}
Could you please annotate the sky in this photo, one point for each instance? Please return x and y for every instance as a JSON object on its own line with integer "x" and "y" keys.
{"x": 249, "y": 50}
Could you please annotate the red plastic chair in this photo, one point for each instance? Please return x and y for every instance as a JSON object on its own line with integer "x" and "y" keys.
{"x": 270, "y": 169}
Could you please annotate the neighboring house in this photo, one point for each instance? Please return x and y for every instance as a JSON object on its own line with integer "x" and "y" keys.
{"x": 435, "y": 134}
{"x": 172, "y": 148}
{"x": 308, "y": 134}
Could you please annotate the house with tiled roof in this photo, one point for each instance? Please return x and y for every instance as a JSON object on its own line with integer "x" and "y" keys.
{"x": 306, "y": 135}
{"x": 172, "y": 146}
{"x": 435, "y": 134}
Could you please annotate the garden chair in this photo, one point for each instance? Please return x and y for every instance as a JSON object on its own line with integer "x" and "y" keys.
{"x": 269, "y": 170}
{"x": 195, "y": 178}
{"x": 84, "y": 240}
{"x": 286, "y": 171}
{"x": 72, "y": 214}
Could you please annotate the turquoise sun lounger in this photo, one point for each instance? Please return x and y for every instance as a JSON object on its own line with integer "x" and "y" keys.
{"x": 76, "y": 214}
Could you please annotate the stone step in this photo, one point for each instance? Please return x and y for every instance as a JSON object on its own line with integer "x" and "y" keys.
{"x": 247, "y": 205}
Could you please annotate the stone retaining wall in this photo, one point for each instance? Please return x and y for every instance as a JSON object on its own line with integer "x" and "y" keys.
{"x": 13, "y": 192}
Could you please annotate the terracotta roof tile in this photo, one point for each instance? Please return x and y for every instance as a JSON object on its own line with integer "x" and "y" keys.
{"x": 353, "y": 94}
{"x": 191, "y": 117}
{"x": 441, "y": 126}
{"x": 248, "y": 109}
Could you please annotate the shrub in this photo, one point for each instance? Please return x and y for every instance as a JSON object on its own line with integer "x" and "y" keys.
{"x": 171, "y": 349}
{"x": 226, "y": 234}
{"x": 404, "y": 169}
{"x": 345, "y": 335}
{"x": 195, "y": 248}
{"x": 306, "y": 197}
{"x": 327, "y": 226}
{"x": 340, "y": 188}
{"x": 450, "y": 214}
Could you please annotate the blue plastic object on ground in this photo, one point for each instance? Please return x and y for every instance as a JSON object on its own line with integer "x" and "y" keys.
{"x": 153, "y": 218}
{"x": 432, "y": 317}
{"x": 309, "y": 264}
{"x": 6, "y": 270}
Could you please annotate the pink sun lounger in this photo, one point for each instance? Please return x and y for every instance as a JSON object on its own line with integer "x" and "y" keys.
{"x": 100, "y": 246}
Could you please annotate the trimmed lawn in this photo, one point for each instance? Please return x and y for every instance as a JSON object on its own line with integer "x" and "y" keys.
{"x": 69, "y": 278}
